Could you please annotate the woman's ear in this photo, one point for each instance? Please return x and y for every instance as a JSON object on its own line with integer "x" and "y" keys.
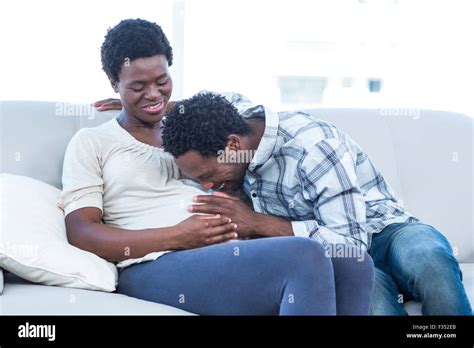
{"x": 114, "y": 86}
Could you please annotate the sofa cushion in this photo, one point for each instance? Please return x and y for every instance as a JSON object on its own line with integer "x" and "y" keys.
{"x": 34, "y": 245}
{"x": 21, "y": 297}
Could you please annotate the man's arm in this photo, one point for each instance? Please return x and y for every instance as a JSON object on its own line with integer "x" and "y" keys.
{"x": 328, "y": 179}
{"x": 249, "y": 223}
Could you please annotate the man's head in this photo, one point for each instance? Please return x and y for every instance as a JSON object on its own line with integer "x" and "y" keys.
{"x": 210, "y": 141}
{"x": 135, "y": 56}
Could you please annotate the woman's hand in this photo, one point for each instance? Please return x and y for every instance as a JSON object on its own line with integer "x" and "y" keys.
{"x": 200, "y": 230}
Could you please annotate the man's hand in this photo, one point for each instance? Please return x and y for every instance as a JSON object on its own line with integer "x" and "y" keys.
{"x": 221, "y": 203}
{"x": 108, "y": 104}
{"x": 116, "y": 104}
{"x": 249, "y": 223}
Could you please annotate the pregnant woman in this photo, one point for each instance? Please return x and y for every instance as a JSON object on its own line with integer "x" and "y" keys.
{"x": 124, "y": 200}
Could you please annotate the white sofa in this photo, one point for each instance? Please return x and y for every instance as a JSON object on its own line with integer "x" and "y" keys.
{"x": 427, "y": 157}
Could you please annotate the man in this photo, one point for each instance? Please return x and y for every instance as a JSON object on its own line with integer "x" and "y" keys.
{"x": 307, "y": 178}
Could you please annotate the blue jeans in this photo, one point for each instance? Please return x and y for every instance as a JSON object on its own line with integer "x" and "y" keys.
{"x": 415, "y": 261}
{"x": 267, "y": 276}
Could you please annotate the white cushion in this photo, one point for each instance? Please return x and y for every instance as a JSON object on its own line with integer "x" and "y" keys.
{"x": 23, "y": 298}
{"x": 33, "y": 241}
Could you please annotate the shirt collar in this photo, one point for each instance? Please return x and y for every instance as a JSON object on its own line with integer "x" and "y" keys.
{"x": 268, "y": 141}
{"x": 249, "y": 110}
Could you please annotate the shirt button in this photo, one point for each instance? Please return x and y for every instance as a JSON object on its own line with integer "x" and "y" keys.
{"x": 254, "y": 194}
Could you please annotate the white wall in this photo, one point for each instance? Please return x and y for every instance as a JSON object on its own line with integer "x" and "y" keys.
{"x": 50, "y": 49}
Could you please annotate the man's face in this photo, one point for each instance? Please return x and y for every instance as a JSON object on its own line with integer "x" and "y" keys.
{"x": 145, "y": 88}
{"x": 210, "y": 173}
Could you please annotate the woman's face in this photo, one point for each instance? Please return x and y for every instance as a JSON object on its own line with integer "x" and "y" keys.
{"x": 145, "y": 88}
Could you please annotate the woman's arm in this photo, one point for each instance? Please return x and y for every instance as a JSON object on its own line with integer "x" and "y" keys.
{"x": 86, "y": 231}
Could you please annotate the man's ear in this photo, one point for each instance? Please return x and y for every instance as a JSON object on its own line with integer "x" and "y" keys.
{"x": 234, "y": 143}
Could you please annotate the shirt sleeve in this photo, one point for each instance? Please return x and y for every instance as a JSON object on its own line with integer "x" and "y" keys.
{"x": 82, "y": 175}
{"x": 328, "y": 178}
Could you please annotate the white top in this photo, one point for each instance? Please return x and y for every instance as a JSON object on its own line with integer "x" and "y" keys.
{"x": 136, "y": 185}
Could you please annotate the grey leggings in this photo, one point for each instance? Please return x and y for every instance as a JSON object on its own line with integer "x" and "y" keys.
{"x": 268, "y": 276}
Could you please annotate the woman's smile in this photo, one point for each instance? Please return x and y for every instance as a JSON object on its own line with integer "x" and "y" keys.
{"x": 154, "y": 108}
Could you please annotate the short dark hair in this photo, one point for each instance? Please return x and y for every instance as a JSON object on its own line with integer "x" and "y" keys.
{"x": 202, "y": 123}
{"x": 132, "y": 39}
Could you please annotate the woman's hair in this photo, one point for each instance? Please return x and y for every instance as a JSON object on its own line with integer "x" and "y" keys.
{"x": 202, "y": 123}
{"x": 129, "y": 40}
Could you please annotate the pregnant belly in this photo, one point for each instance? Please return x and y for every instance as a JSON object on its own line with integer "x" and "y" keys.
{"x": 152, "y": 212}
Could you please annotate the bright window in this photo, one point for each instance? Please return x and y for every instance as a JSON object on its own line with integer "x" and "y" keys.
{"x": 286, "y": 53}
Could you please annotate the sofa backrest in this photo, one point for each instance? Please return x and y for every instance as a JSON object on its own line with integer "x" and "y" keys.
{"x": 426, "y": 156}
{"x": 34, "y": 136}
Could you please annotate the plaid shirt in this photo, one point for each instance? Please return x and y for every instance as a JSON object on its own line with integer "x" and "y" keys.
{"x": 311, "y": 173}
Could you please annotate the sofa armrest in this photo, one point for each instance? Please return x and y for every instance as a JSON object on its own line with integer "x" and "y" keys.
{"x": 1, "y": 281}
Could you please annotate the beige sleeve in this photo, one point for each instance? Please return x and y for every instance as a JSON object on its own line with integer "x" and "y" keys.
{"x": 82, "y": 174}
